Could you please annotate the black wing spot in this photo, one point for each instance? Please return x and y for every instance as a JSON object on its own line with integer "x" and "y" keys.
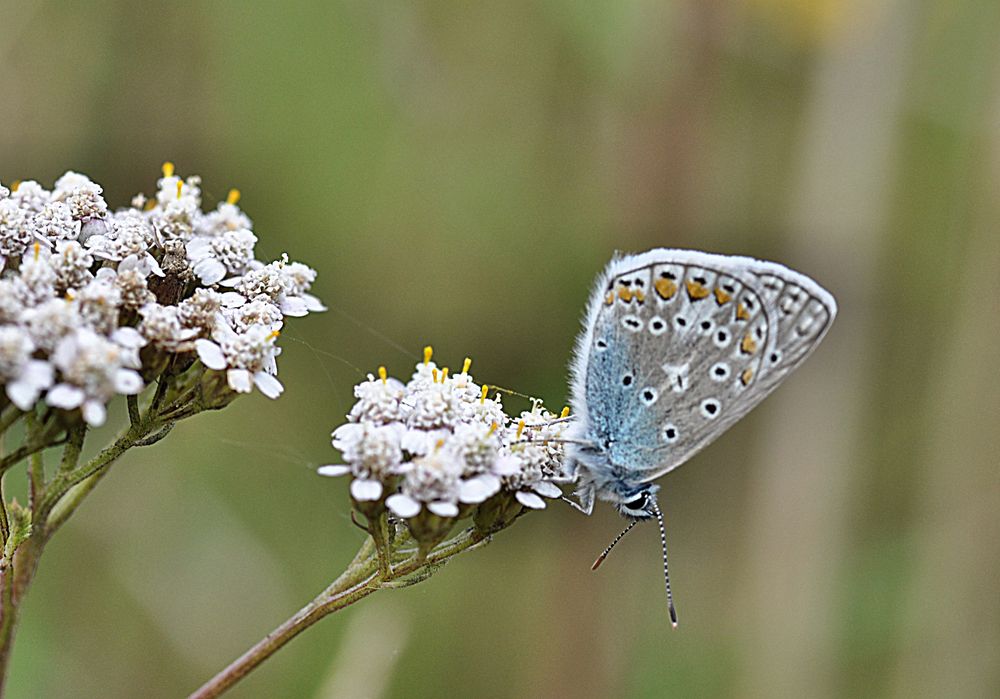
{"x": 710, "y": 407}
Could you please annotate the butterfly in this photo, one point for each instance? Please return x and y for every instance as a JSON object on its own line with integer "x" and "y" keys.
{"x": 677, "y": 346}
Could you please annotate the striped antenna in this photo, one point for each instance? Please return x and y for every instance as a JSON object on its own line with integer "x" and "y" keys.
{"x": 600, "y": 559}
{"x": 663, "y": 544}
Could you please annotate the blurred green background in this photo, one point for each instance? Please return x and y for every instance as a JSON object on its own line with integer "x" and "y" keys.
{"x": 458, "y": 173}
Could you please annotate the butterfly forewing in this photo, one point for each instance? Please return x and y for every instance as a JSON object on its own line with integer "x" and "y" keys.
{"x": 681, "y": 345}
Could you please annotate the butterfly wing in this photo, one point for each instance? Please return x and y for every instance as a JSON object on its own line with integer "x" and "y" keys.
{"x": 679, "y": 345}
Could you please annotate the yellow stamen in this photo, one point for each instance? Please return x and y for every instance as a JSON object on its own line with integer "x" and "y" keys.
{"x": 565, "y": 412}
{"x": 180, "y": 186}
{"x": 748, "y": 346}
{"x": 438, "y": 444}
{"x": 168, "y": 169}
{"x": 444, "y": 374}
{"x": 741, "y": 312}
{"x": 493, "y": 428}
{"x": 434, "y": 375}
{"x": 382, "y": 374}
{"x": 15, "y": 185}
{"x": 38, "y": 249}
{"x": 150, "y": 205}
{"x": 69, "y": 296}
{"x": 482, "y": 398}
{"x": 722, "y": 297}
{"x": 233, "y": 197}
{"x": 466, "y": 364}
{"x": 275, "y": 334}
{"x": 665, "y": 288}
{"x": 695, "y": 290}
{"x": 428, "y": 353}
{"x": 520, "y": 429}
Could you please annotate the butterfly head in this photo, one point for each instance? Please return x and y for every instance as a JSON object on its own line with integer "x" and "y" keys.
{"x": 638, "y": 504}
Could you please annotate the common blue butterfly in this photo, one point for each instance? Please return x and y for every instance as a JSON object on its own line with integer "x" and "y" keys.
{"x": 678, "y": 345}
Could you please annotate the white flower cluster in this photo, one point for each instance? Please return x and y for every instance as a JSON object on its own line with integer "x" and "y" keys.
{"x": 440, "y": 444}
{"x": 89, "y": 297}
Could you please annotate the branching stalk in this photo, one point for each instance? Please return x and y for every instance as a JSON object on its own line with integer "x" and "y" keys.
{"x": 357, "y": 582}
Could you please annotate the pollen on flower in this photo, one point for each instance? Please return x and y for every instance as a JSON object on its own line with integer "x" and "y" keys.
{"x": 84, "y": 283}
{"x": 457, "y": 449}
{"x": 466, "y": 364}
{"x": 428, "y": 353}
{"x": 233, "y": 198}
{"x": 565, "y": 412}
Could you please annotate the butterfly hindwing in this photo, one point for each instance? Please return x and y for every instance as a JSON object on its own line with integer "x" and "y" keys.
{"x": 680, "y": 345}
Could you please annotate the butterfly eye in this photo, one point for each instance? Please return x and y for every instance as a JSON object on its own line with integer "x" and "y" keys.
{"x": 637, "y": 504}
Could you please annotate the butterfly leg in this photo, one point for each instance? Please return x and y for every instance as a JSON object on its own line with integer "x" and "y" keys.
{"x": 568, "y": 473}
{"x": 586, "y": 499}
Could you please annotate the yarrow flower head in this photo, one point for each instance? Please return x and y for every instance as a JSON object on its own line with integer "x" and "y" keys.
{"x": 439, "y": 448}
{"x": 97, "y": 303}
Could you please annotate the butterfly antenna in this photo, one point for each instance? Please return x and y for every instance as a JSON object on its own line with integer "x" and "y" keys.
{"x": 666, "y": 575}
{"x": 600, "y": 559}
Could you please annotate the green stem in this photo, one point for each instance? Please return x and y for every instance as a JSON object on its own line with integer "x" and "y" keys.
{"x": 345, "y": 591}
{"x": 380, "y": 535}
{"x": 40, "y": 436}
{"x": 66, "y": 506}
{"x": 36, "y": 468}
{"x": 66, "y": 479}
{"x": 36, "y": 479}
{"x": 53, "y": 503}
{"x": 163, "y": 386}
{"x": 21, "y": 453}
{"x": 74, "y": 445}
{"x": 4, "y": 519}
{"x": 133, "y": 410}
{"x": 15, "y": 577}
